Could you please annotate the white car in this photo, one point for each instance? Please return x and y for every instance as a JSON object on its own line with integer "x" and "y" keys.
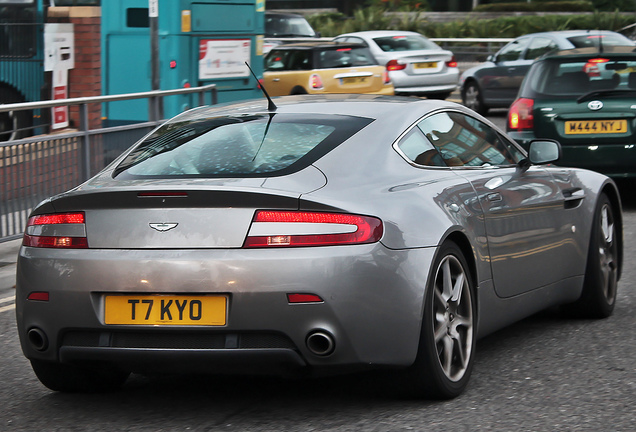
{"x": 415, "y": 64}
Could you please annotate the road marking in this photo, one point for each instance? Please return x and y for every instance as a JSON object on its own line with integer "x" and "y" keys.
{"x": 7, "y": 299}
{"x": 7, "y": 308}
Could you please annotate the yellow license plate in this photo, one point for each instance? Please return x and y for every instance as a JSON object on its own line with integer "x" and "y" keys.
{"x": 426, "y": 65}
{"x": 354, "y": 80}
{"x": 165, "y": 310}
{"x": 595, "y": 127}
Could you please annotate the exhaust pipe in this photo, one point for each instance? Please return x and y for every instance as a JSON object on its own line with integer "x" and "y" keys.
{"x": 320, "y": 343}
{"x": 37, "y": 339}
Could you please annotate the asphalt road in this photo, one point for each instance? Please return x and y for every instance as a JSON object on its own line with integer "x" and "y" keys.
{"x": 546, "y": 373}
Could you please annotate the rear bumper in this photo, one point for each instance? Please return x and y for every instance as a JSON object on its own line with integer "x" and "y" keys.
{"x": 371, "y": 294}
{"x": 423, "y": 83}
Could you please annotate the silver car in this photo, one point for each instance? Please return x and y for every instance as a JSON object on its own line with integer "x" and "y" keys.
{"x": 314, "y": 234}
{"x": 415, "y": 64}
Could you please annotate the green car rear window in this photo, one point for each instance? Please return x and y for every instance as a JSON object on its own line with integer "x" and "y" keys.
{"x": 238, "y": 146}
{"x": 594, "y": 40}
{"x": 577, "y": 76}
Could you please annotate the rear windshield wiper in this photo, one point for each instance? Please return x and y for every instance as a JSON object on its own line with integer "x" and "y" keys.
{"x": 605, "y": 93}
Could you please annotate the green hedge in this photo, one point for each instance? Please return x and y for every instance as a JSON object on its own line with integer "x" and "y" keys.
{"x": 540, "y": 6}
{"x": 505, "y": 27}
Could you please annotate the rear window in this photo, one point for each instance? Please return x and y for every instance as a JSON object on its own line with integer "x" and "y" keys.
{"x": 286, "y": 25}
{"x": 405, "y": 43}
{"x": 593, "y": 40}
{"x": 576, "y": 77}
{"x": 238, "y": 146}
{"x": 345, "y": 57}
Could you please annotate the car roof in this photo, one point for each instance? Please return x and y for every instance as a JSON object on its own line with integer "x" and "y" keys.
{"x": 591, "y": 51}
{"x": 360, "y": 105}
{"x": 282, "y": 14}
{"x": 318, "y": 45}
{"x": 380, "y": 33}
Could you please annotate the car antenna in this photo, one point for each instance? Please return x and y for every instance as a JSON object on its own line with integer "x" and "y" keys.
{"x": 271, "y": 106}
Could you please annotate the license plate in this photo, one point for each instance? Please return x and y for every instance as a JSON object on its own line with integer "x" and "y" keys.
{"x": 595, "y": 127}
{"x": 426, "y": 65}
{"x": 165, "y": 310}
{"x": 354, "y": 80}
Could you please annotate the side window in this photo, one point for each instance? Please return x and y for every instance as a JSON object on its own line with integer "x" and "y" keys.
{"x": 276, "y": 60}
{"x": 465, "y": 141}
{"x": 419, "y": 150}
{"x": 298, "y": 60}
{"x": 513, "y": 50}
{"x": 539, "y": 46}
{"x": 358, "y": 40}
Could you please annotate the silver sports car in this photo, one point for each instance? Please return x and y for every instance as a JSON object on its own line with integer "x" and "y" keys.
{"x": 319, "y": 235}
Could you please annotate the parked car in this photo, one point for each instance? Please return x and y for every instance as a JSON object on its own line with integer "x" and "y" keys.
{"x": 586, "y": 100}
{"x": 324, "y": 67}
{"x": 416, "y": 65}
{"x": 283, "y": 27}
{"x": 317, "y": 235}
{"x": 495, "y": 83}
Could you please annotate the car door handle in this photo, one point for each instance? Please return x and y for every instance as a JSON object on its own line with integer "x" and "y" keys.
{"x": 276, "y": 79}
{"x": 573, "y": 197}
{"x": 494, "y": 197}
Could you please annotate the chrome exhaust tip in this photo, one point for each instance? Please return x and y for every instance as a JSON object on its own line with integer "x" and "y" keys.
{"x": 320, "y": 343}
{"x": 37, "y": 338}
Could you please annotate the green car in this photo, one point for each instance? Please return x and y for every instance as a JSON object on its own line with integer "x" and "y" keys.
{"x": 585, "y": 99}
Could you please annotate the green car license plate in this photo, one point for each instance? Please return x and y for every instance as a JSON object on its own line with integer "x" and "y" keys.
{"x": 589, "y": 127}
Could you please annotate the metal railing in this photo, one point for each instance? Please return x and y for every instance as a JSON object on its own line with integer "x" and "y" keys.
{"x": 33, "y": 169}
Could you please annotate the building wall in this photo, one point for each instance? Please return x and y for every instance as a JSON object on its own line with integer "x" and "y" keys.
{"x": 85, "y": 79}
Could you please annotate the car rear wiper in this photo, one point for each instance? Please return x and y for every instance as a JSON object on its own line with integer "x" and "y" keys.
{"x": 605, "y": 93}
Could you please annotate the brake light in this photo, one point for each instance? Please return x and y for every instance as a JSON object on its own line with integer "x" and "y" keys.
{"x": 59, "y": 230}
{"x": 591, "y": 67}
{"x": 275, "y": 228}
{"x": 394, "y": 65}
{"x": 315, "y": 82}
{"x": 520, "y": 115}
{"x": 452, "y": 62}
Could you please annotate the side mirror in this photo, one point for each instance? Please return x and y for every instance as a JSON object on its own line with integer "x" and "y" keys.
{"x": 543, "y": 152}
{"x": 492, "y": 58}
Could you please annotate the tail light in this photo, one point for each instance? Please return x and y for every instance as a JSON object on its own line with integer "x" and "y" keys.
{"x": 591, "y": 67}
{"x": 520, "y": 115}
{"x": 452, "y": 62}
{"x": 385, "y": 77}
{"x": 59, "y": 230}
{"x": 273, "y": 228}
{"x": 315, "y": 82}
{"x": 394, "y": 65}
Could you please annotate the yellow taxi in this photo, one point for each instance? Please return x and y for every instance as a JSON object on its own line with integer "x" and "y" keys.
{"x": 324, "y": 67}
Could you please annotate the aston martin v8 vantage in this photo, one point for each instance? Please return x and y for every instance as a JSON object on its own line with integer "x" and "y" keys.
{"x": 314, "y": 235}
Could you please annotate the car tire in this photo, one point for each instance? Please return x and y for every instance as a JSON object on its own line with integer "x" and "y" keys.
{"x": 12, "y": 122}
{"x": 298, "y": 90}
{"x": 473, "y": 99}
{"x": 446, "y": 350}
{"x": 73, "y": 379}
{"x": 598, "y": 297}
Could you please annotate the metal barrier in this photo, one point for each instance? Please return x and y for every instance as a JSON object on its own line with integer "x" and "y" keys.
{"x": 33, "y": 169}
